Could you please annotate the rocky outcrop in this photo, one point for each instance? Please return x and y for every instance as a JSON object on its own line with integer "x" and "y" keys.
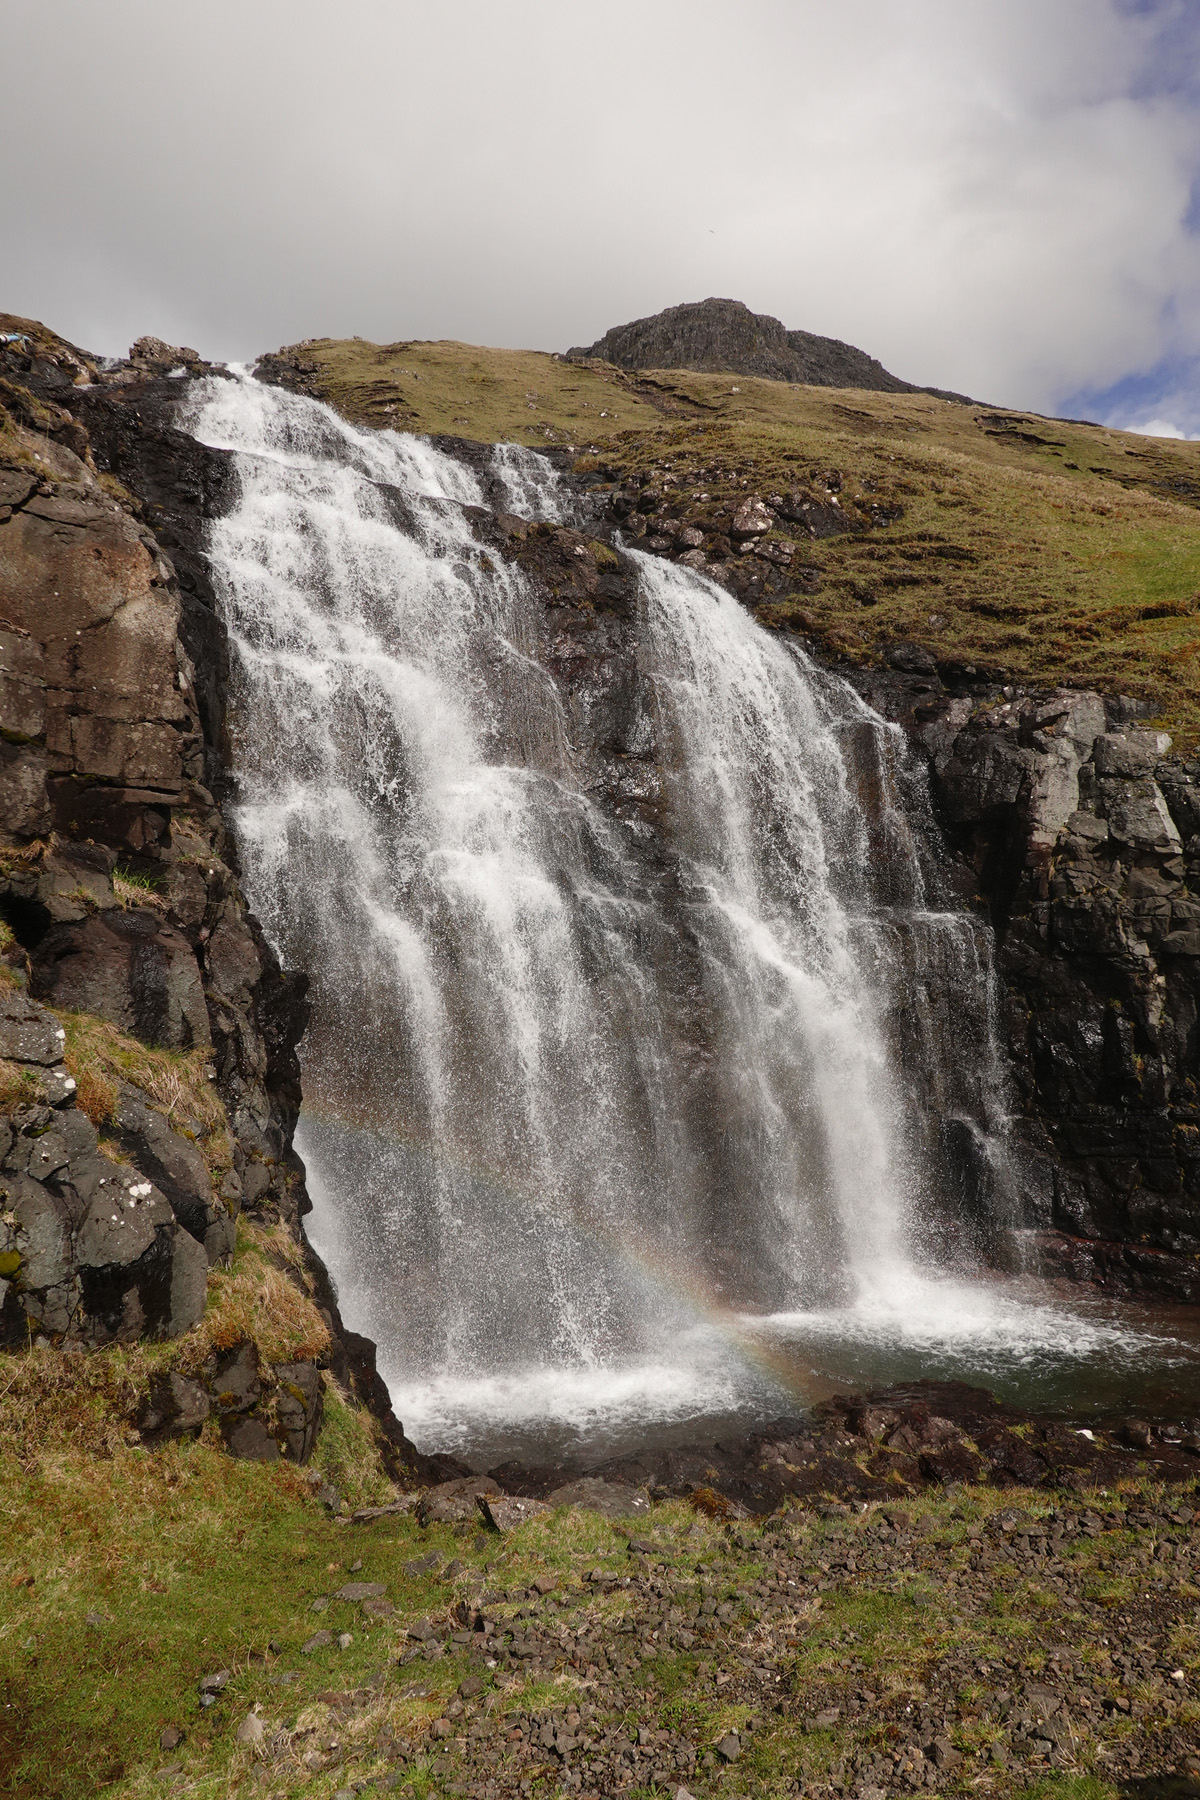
{"x": 119, "y": 889}
{"x": 1081, "y": 835}
{"x": 262, "y": 1413}
{"x": 91, "y": 1250}
{"x": 725, "y": 336}
{"x": 1065, "y": 817}
{"x": 882, "y": 1446}
{"x": 107, "y": 807}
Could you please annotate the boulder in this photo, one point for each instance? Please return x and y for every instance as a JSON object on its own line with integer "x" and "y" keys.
{"x": 250, "y": 1441}
{"x": 235, "y": 1382}
{"x": 504, "y": 1512}
{"x": 611, "y": 1499}
{"x": 177, "y": 1406}
{"x": 753, "y": 518}
{"x": 453, "y": 1502}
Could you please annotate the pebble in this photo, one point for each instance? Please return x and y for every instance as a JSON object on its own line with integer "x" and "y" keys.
{"x": 344, "y": 1640}
{"x": 251, "y": 1730}
{"x": 318, "y": 1641}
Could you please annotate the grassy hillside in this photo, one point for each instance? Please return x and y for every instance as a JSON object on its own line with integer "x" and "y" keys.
{"x": 905, "y": 1646}
{"x": 1047, "y": 550}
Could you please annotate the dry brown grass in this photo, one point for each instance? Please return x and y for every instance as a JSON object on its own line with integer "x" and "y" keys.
{"x": 50, "y": 1400}
{"x": 18, "y": 1086}
{"x": 258, "y": 1298}
{"x": 178, "y": 1082}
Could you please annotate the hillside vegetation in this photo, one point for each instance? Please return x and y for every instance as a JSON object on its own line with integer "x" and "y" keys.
{"x": 1045, "y": 550}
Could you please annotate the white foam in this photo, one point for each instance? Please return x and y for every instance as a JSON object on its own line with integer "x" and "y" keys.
{"x": 975, "y": 1321}
{"x": 539, "y": 1401}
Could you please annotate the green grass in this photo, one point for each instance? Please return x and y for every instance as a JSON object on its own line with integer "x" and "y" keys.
{"x": 188, "y": 1563}
{"x": 1047, "y": 551}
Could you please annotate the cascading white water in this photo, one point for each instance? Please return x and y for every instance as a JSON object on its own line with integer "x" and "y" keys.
{"x": 574, "y": 1098}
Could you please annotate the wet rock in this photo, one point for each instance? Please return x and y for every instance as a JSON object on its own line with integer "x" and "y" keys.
{"x": 154, "y": 351}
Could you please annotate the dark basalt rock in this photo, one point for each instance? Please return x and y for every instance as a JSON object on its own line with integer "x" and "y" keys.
{"x": 1076, "y": 830}
{"x": 725, "y": 336}
{"x": 90, "y": 1250}
{"x": 879, "y": 1446}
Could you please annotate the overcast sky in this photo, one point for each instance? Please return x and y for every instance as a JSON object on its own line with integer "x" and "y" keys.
{"x": 997, "y": 196}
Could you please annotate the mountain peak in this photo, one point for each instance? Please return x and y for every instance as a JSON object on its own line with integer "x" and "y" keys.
{"x": 725, "y": 336}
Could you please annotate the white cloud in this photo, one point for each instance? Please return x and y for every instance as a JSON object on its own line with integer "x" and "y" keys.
{"x": 991, "y": 197}
{"x": 1162, "y": 428}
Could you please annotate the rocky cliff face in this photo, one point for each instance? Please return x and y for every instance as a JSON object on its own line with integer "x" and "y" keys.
{"x": 726, "y": 335}
{"x": 1082, "y": 836}
{"x": 119, "y": 889}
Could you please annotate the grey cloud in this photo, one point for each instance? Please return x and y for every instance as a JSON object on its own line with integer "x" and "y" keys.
{"x": 993, "y": 198}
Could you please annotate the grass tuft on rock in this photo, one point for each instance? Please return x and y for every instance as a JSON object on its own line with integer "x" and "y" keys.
{"x": 180, "y": 1083}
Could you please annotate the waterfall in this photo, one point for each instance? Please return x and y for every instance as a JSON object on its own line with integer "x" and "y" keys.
{"x": 576, "y": 1084}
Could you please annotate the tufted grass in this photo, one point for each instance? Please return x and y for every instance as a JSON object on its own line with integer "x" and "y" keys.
{"x": 48, "y": 1397}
